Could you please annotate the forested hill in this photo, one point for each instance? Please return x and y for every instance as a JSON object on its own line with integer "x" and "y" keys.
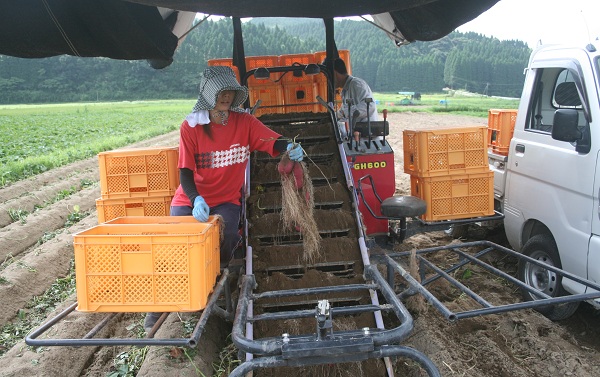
{"x": 466, "y": 61}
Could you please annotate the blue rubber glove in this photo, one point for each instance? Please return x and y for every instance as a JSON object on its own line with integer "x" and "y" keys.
{"x": 201, "y": 210}
{"x": 296, "y": 152}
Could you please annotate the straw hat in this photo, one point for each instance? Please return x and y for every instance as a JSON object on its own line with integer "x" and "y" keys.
{"x": 213, "y": 81}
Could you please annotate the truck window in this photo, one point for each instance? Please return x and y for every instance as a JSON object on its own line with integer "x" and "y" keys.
{"x": 554, "y": 89}
{"x": 565, "y": 92}
{"x": 540, "y": 107}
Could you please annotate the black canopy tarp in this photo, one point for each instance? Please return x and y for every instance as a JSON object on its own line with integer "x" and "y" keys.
{"x": 110, "y": 28}
{"x": 135, "y": 29}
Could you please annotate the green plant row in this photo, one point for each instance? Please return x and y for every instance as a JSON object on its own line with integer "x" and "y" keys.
{"x": 37, "y": 138}
{"x": 452, "y": 102}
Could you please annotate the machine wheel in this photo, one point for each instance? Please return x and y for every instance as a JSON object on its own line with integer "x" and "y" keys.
{"x": 543, "y": 248}
{"x": 458, "y": 231}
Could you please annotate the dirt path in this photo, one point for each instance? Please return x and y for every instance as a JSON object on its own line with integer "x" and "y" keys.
{"x": 520, "y": 343}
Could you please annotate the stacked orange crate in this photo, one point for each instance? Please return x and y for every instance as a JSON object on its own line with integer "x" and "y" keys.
{"x": 137, "y": 182}
{"x": 269, "y": 92}
{"x": 141, "y": 266}
{"x": 501, "y": 126}
{"x": 449, "y": 170}
{"x": 109, "y": 209}
{"x": 213, "y": 253}
{"x": 227, "y": 62}
{"x": 321, "y": 80}
{"x": 253, "y": 62}
{"x": 299, "y": 92}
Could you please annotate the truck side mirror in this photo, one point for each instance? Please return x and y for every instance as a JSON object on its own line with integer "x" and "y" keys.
{"x": 564, "y": 127}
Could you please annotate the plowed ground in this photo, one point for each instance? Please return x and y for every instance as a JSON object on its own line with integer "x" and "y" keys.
{"x": 521, "y": 343}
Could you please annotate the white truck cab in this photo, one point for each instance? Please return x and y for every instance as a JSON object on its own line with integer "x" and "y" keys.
{"x": 548, "y": 185}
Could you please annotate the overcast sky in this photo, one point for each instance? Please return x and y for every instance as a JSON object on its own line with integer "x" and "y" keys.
{"x": 552, "y": 21}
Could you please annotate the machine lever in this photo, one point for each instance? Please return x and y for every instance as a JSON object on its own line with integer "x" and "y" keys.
{"x": 322, "y": 102}
{"x": 368, "y": 101}
{"x": 256, "y": 106}
{"x": 351, "y": 121}
{"x": 384, "y": 120}
{"x": 355, "y": 116}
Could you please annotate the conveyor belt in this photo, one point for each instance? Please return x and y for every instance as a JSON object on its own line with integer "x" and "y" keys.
{"x": 300, "y": 314}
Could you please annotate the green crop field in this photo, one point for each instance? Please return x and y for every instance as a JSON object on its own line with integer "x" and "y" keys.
{"x": 36, "y": 138}
{"x": 451, "y": 102}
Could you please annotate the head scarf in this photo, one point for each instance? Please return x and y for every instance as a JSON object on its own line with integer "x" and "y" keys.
{"x": 214, "y": 80}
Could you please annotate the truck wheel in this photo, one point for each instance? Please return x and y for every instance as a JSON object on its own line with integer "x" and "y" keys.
{"x": 457, "y": 231}
{"x": 543, "y": 248}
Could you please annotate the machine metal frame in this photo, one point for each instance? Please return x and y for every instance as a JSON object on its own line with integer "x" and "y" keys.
{"x": 221, "y": 288}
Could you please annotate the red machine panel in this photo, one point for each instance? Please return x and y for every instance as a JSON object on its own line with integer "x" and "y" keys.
{"x": 379, "y": 163}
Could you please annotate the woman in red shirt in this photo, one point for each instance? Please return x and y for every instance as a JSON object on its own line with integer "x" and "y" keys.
{"x": 216, "y": 140}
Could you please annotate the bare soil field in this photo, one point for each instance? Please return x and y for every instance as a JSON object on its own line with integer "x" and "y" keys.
{"x": 520, "y": 343}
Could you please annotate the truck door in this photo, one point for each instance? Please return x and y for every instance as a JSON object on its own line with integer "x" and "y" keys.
{"x": 594, "y": 248}
{"x": 552, "y": 183}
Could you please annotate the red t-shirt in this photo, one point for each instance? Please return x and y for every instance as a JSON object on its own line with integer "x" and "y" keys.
{"x": 219, "y": 164}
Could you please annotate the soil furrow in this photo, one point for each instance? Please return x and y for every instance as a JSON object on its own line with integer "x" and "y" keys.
{"x": 35, "y": 271}
{"x": 22, "y": 360}
{"x": 18, "y": 237}
{"x": 43, "y": 195}
{"x": 38, "y": 182}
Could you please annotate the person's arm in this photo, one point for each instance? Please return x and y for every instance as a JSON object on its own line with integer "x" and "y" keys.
{"x": 280, "y": 144}
{"x": 261, "y": 134}
{"x": 186, "y": 178}
{"x": 200, "y": 209}
{"x": 358, "y": 91}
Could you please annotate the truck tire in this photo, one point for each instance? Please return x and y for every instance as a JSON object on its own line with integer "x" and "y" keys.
{"x": 458, "y": 231}
{"x": 543, "y": 248}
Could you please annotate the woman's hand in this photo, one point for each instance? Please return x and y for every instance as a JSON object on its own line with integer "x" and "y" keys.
{"x": 295, "y": 151}
{"x": 201, "y": 210}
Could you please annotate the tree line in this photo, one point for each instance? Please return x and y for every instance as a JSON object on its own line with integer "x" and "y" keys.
{"x": 460, "y": 61}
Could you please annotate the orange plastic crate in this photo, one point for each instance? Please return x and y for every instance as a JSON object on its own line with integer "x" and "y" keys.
{"x": 435, "y": 152}
{"x": 300, "y": 97}
{"x": 143, "y": 172}
{"x": 344, "y": 55}
{"x": 141, "y": 268}
{"x": 321, "y": 90}
{"x": 109, "y": 209}
{"x": 292, "y": 59}
{"x": 452, "y": 197}
{"x": 271, "y": 97}
{"x": 501, "y": 127}
{"x": 227, "y": 62}
{"x": 213, "y": 267}
{"x": 266, "y": 61}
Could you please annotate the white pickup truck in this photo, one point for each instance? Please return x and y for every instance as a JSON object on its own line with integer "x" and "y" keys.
{"x": 548, "y": 186}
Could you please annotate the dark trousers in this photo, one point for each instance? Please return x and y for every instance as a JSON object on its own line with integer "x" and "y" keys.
{"x": 231, "y": 219}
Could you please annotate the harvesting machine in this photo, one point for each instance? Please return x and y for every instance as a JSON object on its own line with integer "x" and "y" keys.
{"x": 346, "y": 305}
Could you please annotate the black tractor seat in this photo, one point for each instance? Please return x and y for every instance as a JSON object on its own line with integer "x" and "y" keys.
{"x": 401, "y": 207}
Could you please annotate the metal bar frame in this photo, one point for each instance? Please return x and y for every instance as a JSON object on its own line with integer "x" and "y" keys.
{"x": 465, "y": 259}
{"x": 377, "y": 353}
{"x": 32, "y": 338}
{"x": 269, "y": 352}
